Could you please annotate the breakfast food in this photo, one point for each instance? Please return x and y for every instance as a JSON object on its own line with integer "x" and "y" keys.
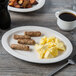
{"x": 22, "y": 3}
{"x": 26, "y": 41}
{"x": 21, "y": 37}
{"x": 33, "y": 33}
{"x": 49, "y": 47}
{"x": 19, "y": 47}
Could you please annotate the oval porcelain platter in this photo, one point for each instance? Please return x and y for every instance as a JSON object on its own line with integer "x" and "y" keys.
{"x": 31, "y": 56}
{"x": 33, "y": 8}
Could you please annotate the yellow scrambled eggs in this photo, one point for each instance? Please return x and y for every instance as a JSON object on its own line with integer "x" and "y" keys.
{"x": 49, "y": 47}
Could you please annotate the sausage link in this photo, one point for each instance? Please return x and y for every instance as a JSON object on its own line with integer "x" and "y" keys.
{"x": 22, "y": 37}
{"x": 19, "y": 47}
{"x": 26, "y": 41}
{"x": 33, "y": 33}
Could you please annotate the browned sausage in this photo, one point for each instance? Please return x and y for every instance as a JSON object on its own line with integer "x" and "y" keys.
{"x": 33, "y": 33}
{"x": 26, "y": 41}
{"x": 21, "y": 37}
{"x": 19, "y": 47}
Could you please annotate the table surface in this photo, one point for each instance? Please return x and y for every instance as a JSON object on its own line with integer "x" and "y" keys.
{"x": 11, "y": 66}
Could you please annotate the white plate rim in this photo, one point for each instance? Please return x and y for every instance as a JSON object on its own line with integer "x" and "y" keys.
{"x": 13, "y": 53}
{"x": 36, "y": 7}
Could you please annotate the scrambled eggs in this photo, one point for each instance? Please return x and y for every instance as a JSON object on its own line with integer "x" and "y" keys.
{"x": 49, "y": 47}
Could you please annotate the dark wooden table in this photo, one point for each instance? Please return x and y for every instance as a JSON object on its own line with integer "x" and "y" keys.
{"x": 11, "y": 66}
